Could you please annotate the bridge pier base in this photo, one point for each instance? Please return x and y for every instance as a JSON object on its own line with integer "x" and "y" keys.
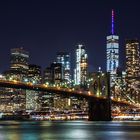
{"x": 99, "y": 110}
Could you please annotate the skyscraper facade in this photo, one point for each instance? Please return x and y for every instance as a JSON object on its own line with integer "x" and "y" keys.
{"x": 34, "y": 74}
{"x": 47, "y": 75}
{"x": 33, "y": 97}
{"x": 80, "y": 72}
{"x": 15, "y": 99}
{"x": 19, "y": 63}
{"x": 133, "y": 69}
{"x": 64, "y": 59}
{"x": 112, "y": 51}
{"x": 57, "y": 73}
{"x": 53, "y": 74}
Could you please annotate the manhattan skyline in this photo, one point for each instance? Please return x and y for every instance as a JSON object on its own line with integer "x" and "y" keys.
{"x": 46, "y": 27}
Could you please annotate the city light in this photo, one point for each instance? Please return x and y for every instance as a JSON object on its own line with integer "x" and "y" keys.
{"x": 57, "y": 93}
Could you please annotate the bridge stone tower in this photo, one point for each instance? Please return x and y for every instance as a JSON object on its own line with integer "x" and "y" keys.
{"x": 100, "y": 108}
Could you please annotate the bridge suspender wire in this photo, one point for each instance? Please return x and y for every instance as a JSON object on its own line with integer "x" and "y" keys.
{"x": 123, "y": 93}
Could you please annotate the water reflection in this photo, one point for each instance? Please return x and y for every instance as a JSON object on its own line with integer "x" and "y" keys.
{"x": 69, "y": 130}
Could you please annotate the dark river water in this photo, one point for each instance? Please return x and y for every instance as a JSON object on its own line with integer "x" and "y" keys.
{"x": 69, "y": 130}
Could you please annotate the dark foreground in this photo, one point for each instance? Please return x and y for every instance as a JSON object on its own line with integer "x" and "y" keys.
{"x": 69, "y": 130}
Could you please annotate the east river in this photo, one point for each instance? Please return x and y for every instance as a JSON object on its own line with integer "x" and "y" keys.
{"x": 69, "y": 130}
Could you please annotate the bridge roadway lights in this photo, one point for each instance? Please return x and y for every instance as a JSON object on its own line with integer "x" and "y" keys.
{"x": 99, "y": 110}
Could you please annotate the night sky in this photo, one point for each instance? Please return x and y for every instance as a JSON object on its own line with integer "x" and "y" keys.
{"x": 45, "y": 27}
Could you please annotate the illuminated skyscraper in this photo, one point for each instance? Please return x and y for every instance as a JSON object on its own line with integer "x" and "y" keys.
{"x": 15, "y": 99}
{"x": 80, "y": 72}
{"x": 34, "y": 74}
{"x": 53, "y": 74}
{"x": 47, "y": 75}
{"x": 19, "y": 63}
{"x": 112, "y": 51}
{"x": 133, "y": 69}
{"x": 64, "y": 59}
{"x": 33, "y": 97}
{"x": 57, "y": 73}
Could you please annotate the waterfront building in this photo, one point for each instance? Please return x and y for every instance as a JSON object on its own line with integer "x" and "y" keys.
{"x": 53, "y": 76}
{"x": 13, "y": 100}
{"x": 47, "y": 101}
{"x": 80, "y": 77}
{"x": 33, "y": 97}
{"x": 64, "y": 59}
{"x": 133, "y": 70}
{"x": 80, "y": 71}
{"x": 61, "y": 103}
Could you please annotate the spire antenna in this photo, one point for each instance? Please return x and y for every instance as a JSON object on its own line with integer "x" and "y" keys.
{"x": 112, "y": 23}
